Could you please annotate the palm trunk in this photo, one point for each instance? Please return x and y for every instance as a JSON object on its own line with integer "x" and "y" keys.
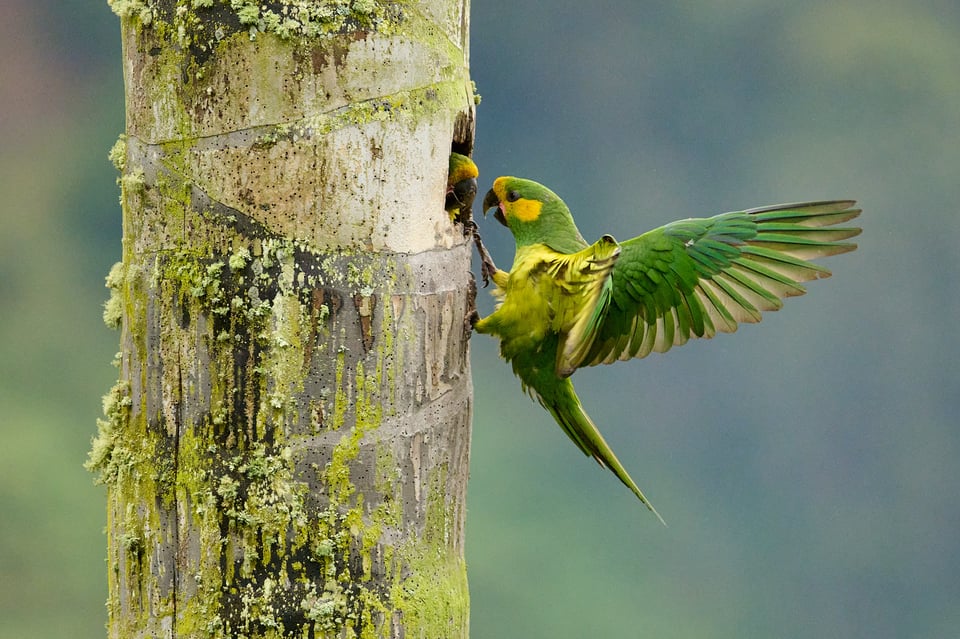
{"x": 286, "y": 450}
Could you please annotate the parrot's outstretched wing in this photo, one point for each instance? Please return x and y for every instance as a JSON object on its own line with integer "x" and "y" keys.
{"x": 698, "y": 277}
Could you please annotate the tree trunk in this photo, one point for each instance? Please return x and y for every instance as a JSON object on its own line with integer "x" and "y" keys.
{"x": 286, "y": 450}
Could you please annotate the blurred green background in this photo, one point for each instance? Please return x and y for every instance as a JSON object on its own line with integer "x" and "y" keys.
{"x": 807, "y": 466}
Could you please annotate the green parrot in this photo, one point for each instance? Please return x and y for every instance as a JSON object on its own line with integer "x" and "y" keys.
{"x": 566, "y": 304}
{"x": 462, "y": 176}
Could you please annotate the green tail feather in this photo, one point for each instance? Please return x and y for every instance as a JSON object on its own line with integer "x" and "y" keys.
{"x": 565, "y": 407}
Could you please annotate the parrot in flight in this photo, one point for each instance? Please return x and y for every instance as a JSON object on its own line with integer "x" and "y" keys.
{"x": 566, "y": 304}
{"x": 462, "y": 176}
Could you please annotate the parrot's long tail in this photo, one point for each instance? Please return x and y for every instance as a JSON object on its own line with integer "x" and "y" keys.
{"x": 561, "y": 400}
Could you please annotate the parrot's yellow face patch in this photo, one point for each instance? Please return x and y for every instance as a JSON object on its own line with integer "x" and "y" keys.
{"x": 525, "y": 210}
{"x": 514, "y": 206}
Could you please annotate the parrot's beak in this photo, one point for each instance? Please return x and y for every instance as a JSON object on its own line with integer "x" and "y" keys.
{"x": 491, "y": 200}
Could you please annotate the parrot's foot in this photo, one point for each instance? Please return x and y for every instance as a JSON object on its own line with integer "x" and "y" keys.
{"x": 471, "y": 320}
{"x": 487, "y": 266}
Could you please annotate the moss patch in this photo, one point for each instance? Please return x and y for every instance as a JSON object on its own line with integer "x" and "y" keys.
{"x": 267, "y": 562}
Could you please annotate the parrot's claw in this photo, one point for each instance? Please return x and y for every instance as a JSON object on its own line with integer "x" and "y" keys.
{"x": 470, "y": 321}
{"x": 487, "y": 266}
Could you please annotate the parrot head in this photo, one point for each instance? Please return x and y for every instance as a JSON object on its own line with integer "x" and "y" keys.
{"x": 461, "y": 187}
{"x": 534, "y": 214}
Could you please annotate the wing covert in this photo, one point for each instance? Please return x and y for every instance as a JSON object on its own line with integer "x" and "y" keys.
{"x": 584, "y": 289}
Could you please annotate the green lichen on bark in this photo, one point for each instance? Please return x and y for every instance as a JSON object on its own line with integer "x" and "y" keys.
{"x": 140, "y": 10}
{"x": 320, "y": 34}
{"x": 113, "y": 308}
{"x": 202, "y": 24}
{"x": 430, "y": 587}
{"x": 241, "y": 487}
{"x": 106, "y": 458}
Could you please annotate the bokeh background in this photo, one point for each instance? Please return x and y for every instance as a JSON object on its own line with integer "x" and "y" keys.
{"x": 807, "y": 466}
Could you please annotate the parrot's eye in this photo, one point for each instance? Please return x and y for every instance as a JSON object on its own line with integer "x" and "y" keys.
{"x": 513, "y": 196}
